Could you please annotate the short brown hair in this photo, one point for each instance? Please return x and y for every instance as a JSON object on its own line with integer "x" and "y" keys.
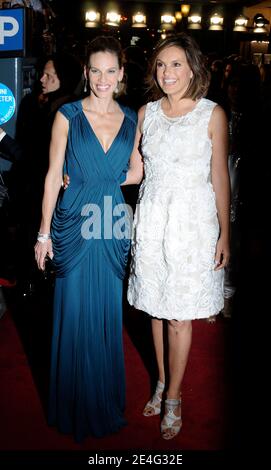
{"x": 199, "y": 84}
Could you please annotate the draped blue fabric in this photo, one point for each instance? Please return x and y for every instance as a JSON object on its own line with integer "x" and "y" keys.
{"x": 87, "y": 388}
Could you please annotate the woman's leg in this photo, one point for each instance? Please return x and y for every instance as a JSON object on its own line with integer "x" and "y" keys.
{"x": 153, "y": 407}
{"x": 179, "y": 342}
{"x": 157, "y": 335}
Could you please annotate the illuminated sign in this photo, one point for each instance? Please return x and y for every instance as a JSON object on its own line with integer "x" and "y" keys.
{"x": 12, "y": 29}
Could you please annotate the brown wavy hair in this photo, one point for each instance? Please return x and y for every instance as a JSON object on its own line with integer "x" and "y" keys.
{"x": 200, "y": 81}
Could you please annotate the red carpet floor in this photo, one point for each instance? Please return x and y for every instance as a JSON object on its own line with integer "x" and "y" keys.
{"x": 206, "y": 390}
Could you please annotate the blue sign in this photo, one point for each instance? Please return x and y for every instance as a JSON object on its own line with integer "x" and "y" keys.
{"x": 7, "y": 104}
{"x": 12, "y": 29}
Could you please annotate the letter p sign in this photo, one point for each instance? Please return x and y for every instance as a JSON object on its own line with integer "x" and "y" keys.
{"x": 9, "y": 27}
{"x": 12, "y": 29}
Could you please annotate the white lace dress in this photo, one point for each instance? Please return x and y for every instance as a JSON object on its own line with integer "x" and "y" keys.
{"x": 176, "y": 226}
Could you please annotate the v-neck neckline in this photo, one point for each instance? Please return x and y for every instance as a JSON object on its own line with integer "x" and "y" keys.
{"x": 95, "y": 135}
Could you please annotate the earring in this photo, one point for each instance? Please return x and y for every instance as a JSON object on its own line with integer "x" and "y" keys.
{"x": 85, "y": 86}
{"x": 117, "y": 87}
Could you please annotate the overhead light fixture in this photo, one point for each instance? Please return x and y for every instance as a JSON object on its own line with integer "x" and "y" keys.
{"x": 139, "y": 20}
{"x": 194, "y": 21}
{"x": 216, "y": 22}
{"x": 178, "y": 15}
{"x": 260, "y": 23}
{"x": 112, "y": 18}
{"x": 168, "y": 21}
{"x": 185, "y": 9}
{"x": 92, "y": 19}
{"x": 240, "y": 24}
{"x": 259, "y": 20}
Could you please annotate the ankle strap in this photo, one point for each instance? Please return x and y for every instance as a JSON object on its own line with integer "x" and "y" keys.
{"x": 172, "y": 402}
{"x": 160, "y": 386}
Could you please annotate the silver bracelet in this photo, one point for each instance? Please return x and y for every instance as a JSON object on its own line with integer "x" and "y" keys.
{"x": 43, "y": 237}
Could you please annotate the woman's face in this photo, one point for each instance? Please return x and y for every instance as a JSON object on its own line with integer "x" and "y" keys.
{"x": 172, "y": 71}
{"x": 103, "y": 73}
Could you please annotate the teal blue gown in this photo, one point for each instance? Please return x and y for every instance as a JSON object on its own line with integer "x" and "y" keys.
{"x": 87, "y": 384}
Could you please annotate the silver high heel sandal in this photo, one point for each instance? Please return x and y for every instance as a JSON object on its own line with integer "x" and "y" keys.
{"x": 153, "y": 407}
{"x": 171, "y": 424}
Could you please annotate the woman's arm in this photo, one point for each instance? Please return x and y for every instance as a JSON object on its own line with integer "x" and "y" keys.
{"x": 218, "y": 130}
{"x": 52, "y": 186}
{"x": 135, "y": 172}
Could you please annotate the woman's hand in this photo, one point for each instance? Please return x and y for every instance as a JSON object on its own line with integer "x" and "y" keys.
{"x": 41, "y": 251}
{"x": 66, "y": 181}
{"x": 222, "y": 255}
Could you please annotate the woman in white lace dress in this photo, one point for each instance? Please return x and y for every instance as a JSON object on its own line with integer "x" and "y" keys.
{"x": 181, "y": 230}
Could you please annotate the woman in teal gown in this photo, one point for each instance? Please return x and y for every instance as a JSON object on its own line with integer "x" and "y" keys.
{"x": 92, "y": 141}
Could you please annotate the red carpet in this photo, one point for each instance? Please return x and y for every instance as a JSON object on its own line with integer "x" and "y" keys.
{"x": 206, "y": 391}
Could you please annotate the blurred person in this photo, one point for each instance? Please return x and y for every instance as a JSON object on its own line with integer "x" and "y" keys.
{"x": 11, "y": 151}
{"x": 216, "y": 92}
{"x": 245, "y": 161}
{"x": 9, "y": 147}
{"x": 36, "y": 5}
{"x": 135, "y": 68}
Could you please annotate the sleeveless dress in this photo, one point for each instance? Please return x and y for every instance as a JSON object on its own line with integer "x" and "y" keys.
{"x": 176, "y": 225}
{"x": 87, "y": 387}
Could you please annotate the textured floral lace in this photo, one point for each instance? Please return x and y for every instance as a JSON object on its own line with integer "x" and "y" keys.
{"x": 176, "y": 226}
